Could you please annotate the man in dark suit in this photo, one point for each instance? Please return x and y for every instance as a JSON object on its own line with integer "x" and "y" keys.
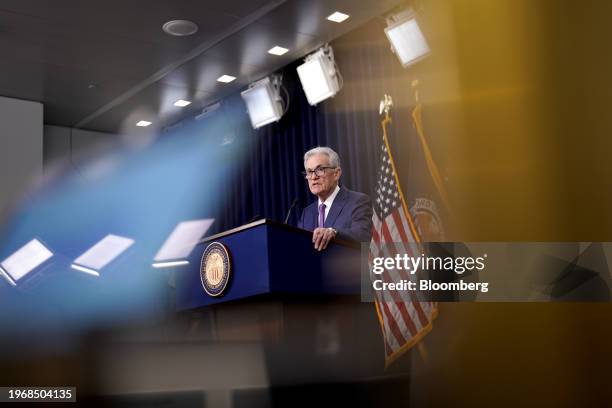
{"x": 338, "y": 212}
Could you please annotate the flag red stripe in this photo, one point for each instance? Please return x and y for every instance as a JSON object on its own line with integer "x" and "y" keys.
{"x": 395, "y": 330}
{"x": 422, "y": 318}
{"x": 400, "y": 226}
{"x": 400, "y": 303}
{"x": 375, "y": 236}
{"x": 388, "y": 349}
{"x": 417, "y": 305}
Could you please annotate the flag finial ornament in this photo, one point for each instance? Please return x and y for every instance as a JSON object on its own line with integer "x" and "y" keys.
{"x": 386, "y": 103}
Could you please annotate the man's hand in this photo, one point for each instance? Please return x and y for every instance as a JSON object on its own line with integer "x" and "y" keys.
{"x": 322, "y": 236}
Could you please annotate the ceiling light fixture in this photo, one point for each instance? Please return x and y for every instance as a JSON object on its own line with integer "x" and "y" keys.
{"x": 264, "y": 102}
{"x": 407, "y": 40}
{"x": 143, "y": 123}
{"x": 337, "y": 17}
{"x": 181, "y": 103}
{"x": 278, "y": 50}
{"x": 226, "y": 79}
{"x": 180, "y": 28}
{"x": 320, "y": 76}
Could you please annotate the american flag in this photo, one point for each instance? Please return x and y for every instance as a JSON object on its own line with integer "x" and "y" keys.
{"x": 403, "y": 318}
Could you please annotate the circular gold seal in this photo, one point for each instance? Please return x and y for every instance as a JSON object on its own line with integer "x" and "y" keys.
{"x": 215, "y": 269}
{"x": 427, "y": 219}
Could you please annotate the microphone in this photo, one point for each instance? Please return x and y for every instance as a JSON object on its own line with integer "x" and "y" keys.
{"x": 255, "y": 218}
{"x": 295, "y": 201}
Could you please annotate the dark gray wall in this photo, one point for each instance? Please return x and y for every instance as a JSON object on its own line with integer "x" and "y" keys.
{"x": 85, "y": 145}
{"x": 21, "y": 148}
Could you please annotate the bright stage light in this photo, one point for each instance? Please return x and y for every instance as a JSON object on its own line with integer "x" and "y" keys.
{"x": 278, "y": 50}
{"x": 25, "y": 260}
{"x": 320, "y": 76}
{"x": 337, "y": 17}
{"x": 226, "y": 79}
{"x": 264, "y": 102}
{"x": 407, "y": 40}
{"x": 101, "y": 254}
{"x": 181, "y": 103}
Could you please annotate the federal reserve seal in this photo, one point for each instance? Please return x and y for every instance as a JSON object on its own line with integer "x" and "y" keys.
{"x": 427, "y": 219}
{"x": 215, "y": 269}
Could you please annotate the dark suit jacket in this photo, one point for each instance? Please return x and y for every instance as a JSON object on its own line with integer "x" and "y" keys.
{"x": 350, "y": 214}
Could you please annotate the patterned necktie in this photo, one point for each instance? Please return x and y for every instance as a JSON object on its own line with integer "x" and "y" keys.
{"x": 321, "y": 215}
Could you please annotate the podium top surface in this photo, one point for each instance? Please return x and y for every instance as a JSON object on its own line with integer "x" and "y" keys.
{"x": 266, "y": 221}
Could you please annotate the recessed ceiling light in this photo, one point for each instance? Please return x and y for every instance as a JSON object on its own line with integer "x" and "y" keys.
{"x": 180, "y": 28}
{"x": 181, "y": 103}
{"x": 143, "y": 123}
{"x": 337, "y": 17}
{"x": 277, "y": 50}
{"x": 226, "y": 78}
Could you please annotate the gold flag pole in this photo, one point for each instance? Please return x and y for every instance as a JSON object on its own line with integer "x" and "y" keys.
{"x": 431, "y": 165}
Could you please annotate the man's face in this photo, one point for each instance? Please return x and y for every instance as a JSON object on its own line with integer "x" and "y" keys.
{"x": 322, "y": 186}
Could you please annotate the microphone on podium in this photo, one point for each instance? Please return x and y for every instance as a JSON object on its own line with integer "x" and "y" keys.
{"x": 295, "y": 201}
{"x": 255, "y": 218}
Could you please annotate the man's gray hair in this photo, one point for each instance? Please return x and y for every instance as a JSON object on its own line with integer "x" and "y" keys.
{"x": 334, "y": 159}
